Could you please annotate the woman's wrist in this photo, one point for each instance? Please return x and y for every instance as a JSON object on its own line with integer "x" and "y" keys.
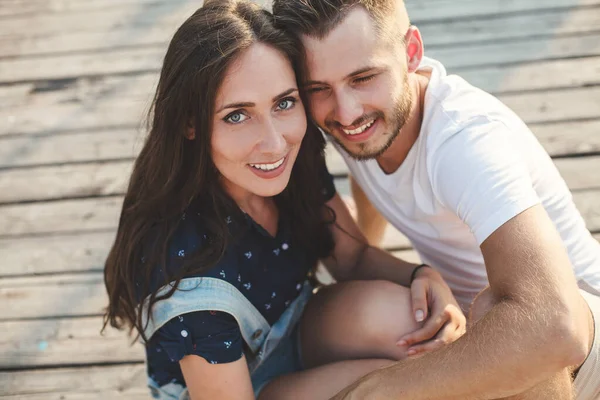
{"x": 419, "y": 268}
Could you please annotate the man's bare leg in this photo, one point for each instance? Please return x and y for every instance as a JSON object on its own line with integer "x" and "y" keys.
{"x": 560, "y": 387}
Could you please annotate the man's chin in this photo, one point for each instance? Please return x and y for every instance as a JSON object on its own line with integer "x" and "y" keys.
{"x": 360, "y": 151}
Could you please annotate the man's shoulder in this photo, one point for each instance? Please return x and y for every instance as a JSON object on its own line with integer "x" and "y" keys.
{"x": 453, "y": 108}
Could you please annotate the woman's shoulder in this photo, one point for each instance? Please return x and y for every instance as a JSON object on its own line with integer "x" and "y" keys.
{"x": 190, "y": 252}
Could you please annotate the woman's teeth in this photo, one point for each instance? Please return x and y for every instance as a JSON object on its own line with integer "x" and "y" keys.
{"x": 268, "y": 167}
{"x": 358, "y": 130}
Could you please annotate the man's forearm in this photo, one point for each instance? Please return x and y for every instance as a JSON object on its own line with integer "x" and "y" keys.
{"x": 502, "y": 355}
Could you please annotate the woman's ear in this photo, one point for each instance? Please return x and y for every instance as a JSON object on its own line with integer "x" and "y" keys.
{"x": 190, "y": 132}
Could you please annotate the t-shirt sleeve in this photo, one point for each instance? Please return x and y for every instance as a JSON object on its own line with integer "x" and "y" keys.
{"x": 481, "y": 174}
{"x": 212, "y": 335}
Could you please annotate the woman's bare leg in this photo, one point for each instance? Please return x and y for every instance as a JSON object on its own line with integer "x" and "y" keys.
{"x": 356, "y": 320}
{"x": 320, "y": 383}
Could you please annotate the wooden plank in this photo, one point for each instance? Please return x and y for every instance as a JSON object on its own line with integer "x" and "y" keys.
{"x": 571, "y": 104}
{"x": 27, "y": 299}
{"x": 68, "y": 216}
{"x": 419, "y": 11}
{"x": 566, "y": 138}
{"x": 559, "y": 139}
{"x": 32, "y": 8}
{"x": 85, "y": 252}
{"x": 22, "y": 42}
{"x": 114, "y": 112}
{"x": 119, "y": 382}
{"x": 81, "y": 90}
{"x": 580, "y": 173}
{"x": 134, "y": 15}
{"x": 55, "y": 253}
{"x": 548, "y": 22}
{"x": 66, "y": 181}
{"x": 143, "y": 59}
{"x": 70, "y": 148}
{"x": 94, "y": 214}
{"x": 111, "y": 178}
{"x": 64, "y": 341}
{"x": 52, "y": 297}
{"x": 444, "y": 9}
{"x": 47, "y": 17}
{"x": 543, "y": 75}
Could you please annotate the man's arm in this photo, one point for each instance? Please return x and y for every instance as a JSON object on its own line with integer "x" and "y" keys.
{"x": 538, "y": 326}
{"x": 370, "y": 221}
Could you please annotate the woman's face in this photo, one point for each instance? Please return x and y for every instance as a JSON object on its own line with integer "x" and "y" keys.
{"x": 259, "y": 123}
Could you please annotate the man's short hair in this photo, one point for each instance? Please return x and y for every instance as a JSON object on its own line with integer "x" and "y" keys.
{"x": 316, "y": 18}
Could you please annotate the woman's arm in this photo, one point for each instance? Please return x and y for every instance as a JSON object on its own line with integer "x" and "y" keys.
{"x": 207, "y": 381}
{"x": 353, "y": 257}
{"x": 370, "y": 221}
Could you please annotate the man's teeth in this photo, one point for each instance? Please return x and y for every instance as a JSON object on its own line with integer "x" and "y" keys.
{"x": 358, "y": 130}
{"x": 268, "y": 167}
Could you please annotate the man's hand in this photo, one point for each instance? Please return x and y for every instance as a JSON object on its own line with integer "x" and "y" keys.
{"x": 433, "y": 302}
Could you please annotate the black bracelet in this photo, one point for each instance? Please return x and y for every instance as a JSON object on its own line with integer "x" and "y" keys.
{"x": 414, "y": 273}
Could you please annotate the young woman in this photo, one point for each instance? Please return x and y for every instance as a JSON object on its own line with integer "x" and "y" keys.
{"x": 229, "y": 208}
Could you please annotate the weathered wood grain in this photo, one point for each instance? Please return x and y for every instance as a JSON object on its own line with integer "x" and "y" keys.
{"x": 119, "y": 382}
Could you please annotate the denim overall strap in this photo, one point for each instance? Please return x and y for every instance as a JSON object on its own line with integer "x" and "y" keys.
{"x": 204, "y": 294}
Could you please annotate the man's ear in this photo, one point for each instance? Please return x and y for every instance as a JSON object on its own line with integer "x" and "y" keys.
{"x": 414, "y": 48}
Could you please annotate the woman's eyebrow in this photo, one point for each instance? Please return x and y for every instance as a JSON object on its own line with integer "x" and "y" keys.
{"x": 236, "y": 105}
{"x": 285, "y": 93}
{"x": 248, "y": 104}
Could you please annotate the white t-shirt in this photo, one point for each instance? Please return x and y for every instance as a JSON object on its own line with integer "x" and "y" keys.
{"x": 474, "y": 166}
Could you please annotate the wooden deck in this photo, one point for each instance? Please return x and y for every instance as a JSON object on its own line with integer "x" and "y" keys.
{"x": 75, "y": 79}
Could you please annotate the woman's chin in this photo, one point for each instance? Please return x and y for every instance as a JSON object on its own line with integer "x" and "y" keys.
{"x": 270, "y": 189}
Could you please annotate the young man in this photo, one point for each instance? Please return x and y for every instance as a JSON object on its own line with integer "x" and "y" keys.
{"x": 463, "y": 177}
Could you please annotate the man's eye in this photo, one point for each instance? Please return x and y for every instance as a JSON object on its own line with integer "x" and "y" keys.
{"x": 315, "y": 89}
{"x": 363, "y": 79}
{"x": 235, "y": 118}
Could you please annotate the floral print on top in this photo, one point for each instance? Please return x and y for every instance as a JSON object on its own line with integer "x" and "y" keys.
{"x": 268, "y": 270}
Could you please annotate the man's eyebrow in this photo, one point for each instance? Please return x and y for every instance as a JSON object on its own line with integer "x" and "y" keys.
{"x": 350, "y": 75}
{"x": 360, "y": 71}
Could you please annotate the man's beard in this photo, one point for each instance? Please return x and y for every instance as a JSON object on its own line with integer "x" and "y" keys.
{"x": 397, "y": 120}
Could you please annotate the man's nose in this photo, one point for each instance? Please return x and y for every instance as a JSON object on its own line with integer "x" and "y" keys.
{"x": 348, "y": 108}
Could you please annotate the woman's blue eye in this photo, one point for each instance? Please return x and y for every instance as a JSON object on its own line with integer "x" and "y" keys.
{"x": 235, "y": 118}
{"x": 286, "y": 104}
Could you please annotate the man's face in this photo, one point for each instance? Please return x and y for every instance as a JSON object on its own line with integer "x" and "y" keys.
{"x": 358, "y": 85}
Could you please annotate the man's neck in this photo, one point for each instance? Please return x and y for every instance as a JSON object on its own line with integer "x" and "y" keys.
{"x": 395, "y": 155}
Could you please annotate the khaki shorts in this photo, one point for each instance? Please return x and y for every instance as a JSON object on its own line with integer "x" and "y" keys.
{"x": 587, "y": 382}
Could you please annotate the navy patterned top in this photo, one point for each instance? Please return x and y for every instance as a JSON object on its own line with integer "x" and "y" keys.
{"x": 268, "y": 270}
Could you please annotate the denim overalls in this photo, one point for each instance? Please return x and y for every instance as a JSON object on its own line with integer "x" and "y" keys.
{"x": 271, "y": 350}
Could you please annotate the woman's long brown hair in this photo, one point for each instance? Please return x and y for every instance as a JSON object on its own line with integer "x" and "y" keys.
{"x": 172, "y": 171}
